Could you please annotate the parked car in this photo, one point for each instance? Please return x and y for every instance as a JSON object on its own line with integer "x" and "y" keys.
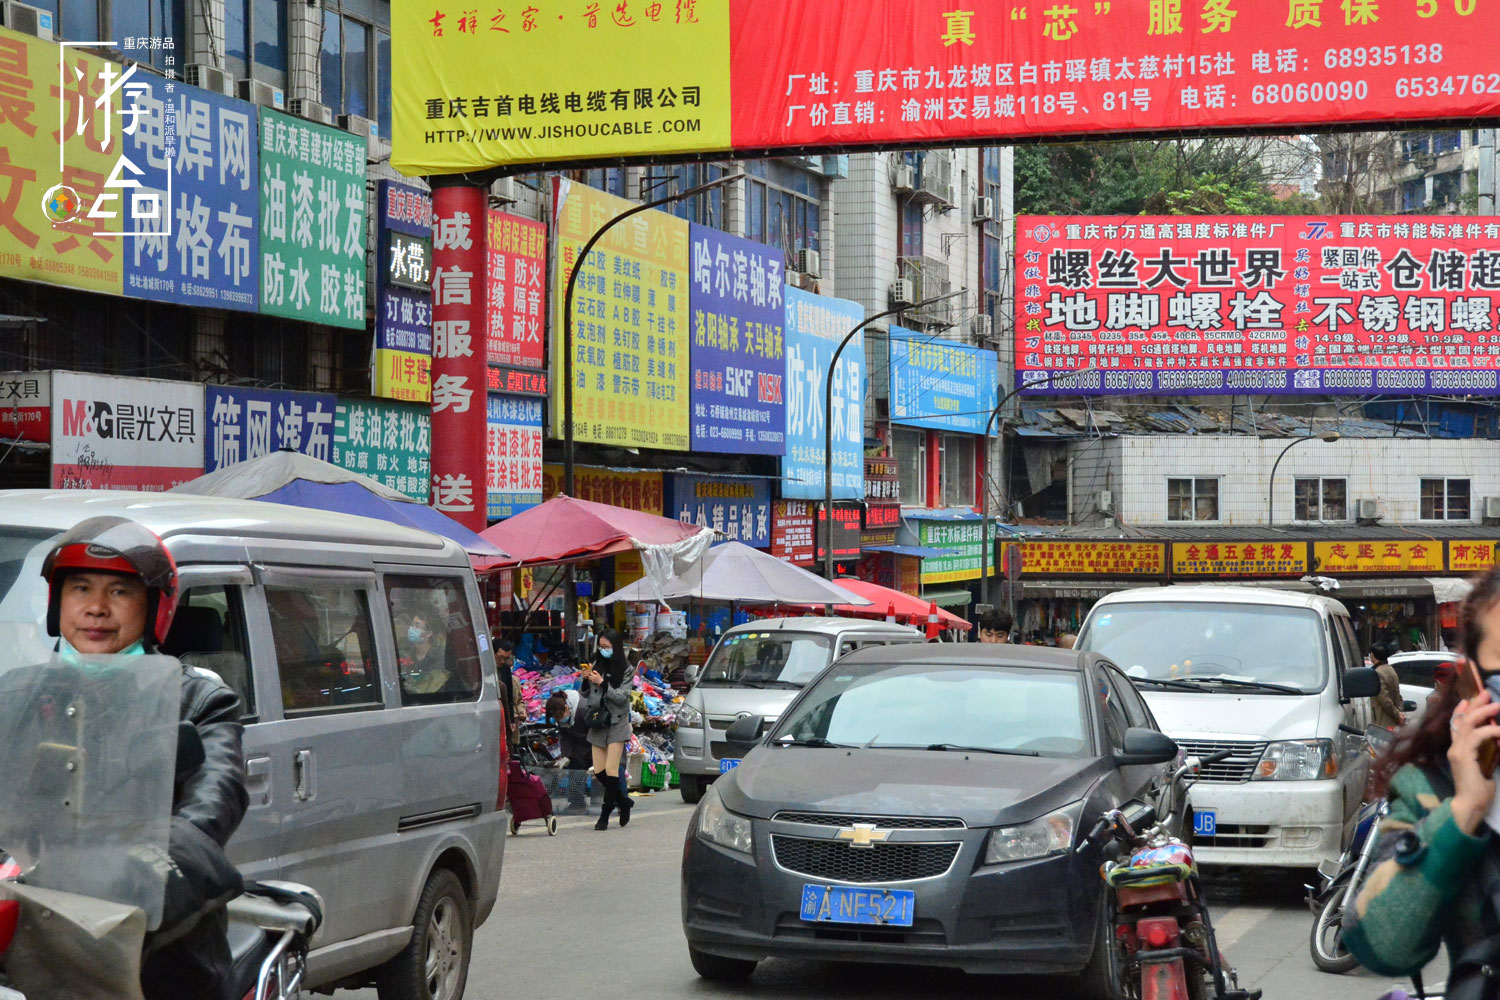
{"x": 1415, "y": 670}
{"x": 373, "y": 762}
{"x": 756, "y": 669}
{"x": 921, "y": 804}
{"x": 1275, "y": 676}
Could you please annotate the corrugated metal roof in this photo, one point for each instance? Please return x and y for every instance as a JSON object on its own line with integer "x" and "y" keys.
{"x": 1074, "y": 421}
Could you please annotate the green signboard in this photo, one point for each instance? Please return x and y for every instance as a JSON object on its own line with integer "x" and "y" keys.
{"x": 389, "y": 442}
{"x": 312, "y": 221}
{"x": 965, "y": 538}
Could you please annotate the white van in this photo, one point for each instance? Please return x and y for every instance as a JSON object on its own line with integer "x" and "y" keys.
{"x": 1272, "y": 675}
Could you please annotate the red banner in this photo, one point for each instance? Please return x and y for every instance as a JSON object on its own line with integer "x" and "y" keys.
{"x": 459, "y": 425}
{"x": 517, "y": 256}
{"x": 1258, "y": 304}
{"x": 821, "y": 73}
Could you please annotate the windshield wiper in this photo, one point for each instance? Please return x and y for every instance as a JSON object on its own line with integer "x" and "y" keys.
{"x": 1236, "y": 682}
{"x": 1176, "y": 685}
{"x": 811, "y": 741}
{"x": 965, "y": 749}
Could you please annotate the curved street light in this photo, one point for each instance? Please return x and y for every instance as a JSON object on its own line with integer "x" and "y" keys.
{"x": 1329, "y": 436}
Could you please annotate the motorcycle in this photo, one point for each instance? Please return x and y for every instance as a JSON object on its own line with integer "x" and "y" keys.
{"x": 92, "y": 747}
{"x": 1164, "y": 941}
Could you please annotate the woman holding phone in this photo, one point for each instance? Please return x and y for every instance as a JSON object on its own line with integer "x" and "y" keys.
{"x": 1436, "y": 879}
{"x": 606, "y": 710}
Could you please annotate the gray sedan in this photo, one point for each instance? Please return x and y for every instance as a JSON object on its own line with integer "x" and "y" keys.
{"x": 921, "y": 804}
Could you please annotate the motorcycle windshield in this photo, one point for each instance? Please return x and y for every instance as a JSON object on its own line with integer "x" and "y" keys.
{"x": 88, "y": 755}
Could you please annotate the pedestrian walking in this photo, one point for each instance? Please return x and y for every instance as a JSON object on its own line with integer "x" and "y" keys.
{"x": 1386, "y": 706}
{"x": 606, "y": 706}
{"x": 578, "y": 756}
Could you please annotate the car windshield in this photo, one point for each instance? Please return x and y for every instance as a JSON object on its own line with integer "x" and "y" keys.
{"x": 1418, "y": 670}
{"x": 764, "y": 659}
{"x": 942, "y": 706}
{"x": 1212, "y": 646}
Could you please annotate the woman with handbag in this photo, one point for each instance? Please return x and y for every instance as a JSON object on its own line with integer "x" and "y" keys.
{"x": 606, "y": 710}
{"x": 1437, "y": 876}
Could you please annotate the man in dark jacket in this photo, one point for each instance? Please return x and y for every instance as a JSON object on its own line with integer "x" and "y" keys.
{"x": 113, "y": 590}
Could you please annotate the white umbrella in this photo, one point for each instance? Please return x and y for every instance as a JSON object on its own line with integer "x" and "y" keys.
{"x": 736, "y": 573}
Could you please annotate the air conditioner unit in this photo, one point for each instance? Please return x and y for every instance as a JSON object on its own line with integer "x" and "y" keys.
{"x": 1367, "y": 510}
{"x": 1492, "y": 508}
{"x": 360, "y": 126}
{"x": 1105, "y": 501}
{"x": 906, "y": 177}
{"x": 808, "y": 262}
{"x": 209, "y": 78}
{"x": 26, "y": 19}
{"x": 984, "y": 208}
{"x": 984, "y": 328}
{"x": 311, "y": 110}
{"x": 901, "y": 293}
{"x": 262, "y": 93}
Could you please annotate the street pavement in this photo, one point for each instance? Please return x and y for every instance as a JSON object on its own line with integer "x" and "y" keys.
{"x": 591, "y": 914}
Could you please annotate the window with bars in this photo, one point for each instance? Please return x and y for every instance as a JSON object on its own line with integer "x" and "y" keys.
{"x": 1445, "y": 500}
{"x": 1321, "y": 500}
{"x": 1192, "y": 499}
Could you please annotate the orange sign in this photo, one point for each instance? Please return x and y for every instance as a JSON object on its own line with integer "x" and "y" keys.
{"x": 1239, "y": 558}
{"x": 1425, "y": 556}
{"x": 1473, "y": 555}
{"x": 1093, "y": 558}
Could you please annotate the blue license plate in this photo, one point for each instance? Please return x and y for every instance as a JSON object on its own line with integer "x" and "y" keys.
{"x": 1205, "y": 822}
{"x": 728, "y": 764}
{"x": 849, "y": 904}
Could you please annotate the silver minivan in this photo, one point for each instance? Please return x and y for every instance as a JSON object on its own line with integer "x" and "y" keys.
{"x": 756, "y": 669}
{"x": 373, "y": 762}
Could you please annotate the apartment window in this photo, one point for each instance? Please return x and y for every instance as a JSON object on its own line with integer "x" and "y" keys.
{"x": 911, "y": 453}
{"x": 354, "y": 63}
{"x": 148, "y": 18}
{"x": 1322, "y": 500}
{"x": 1192, "y": 499}
{"x": 255, "y": 40}
{"x": 783, "y": 206}
{"x": 958, "y": 469}
{"x": 706, "y": 209}
{"x": 1445, "y": 500}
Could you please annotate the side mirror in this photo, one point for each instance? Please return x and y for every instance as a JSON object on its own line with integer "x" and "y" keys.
{"x": 745, "y": 731}
{"x": 1146, "y": 746}
{"x": 1361, "y": 682}
{"x": 690, "y": 673}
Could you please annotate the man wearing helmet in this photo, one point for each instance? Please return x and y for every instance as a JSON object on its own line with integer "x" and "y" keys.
{"x": 113, "y": 590}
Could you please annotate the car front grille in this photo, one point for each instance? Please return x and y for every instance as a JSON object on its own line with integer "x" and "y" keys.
{"x": 1235, "y": 835}
{"x": 836, "y": 861}
{"x": 884, "y": 822}
{"x": 1238, "y": 767}
{"x": 721, "y": 750}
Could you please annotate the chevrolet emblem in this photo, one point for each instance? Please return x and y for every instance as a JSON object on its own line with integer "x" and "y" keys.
{"x": 865, "y": 835}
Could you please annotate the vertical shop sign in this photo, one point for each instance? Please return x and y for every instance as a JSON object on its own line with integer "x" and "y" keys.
{"x": 738, "y": 509}
{"x": 516, "y": 311}
{"x": 514, "y": 454}
{"x": 312, "y": 221}
{"x": 815, "y": 324}
{"x": 112, "y": 433}
{"x": 403, "y": 292}
{"x": 252, "y": 423}
{"x": 738, "y": 344}
{"x": 458, "y": 367}
{"x": 26, "y": 406}
{"x": 389, "y": 442}
{"x": 793, "y": 532}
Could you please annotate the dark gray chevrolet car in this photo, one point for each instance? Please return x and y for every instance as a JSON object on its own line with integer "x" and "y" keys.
{"x": 920, "y": 804}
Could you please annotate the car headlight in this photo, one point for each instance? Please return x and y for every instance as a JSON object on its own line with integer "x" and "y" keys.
{"x": 718, "y": 825}
{"x": 1052, "y": 834}
{"x": 689, "y": 716}
{"x": 1297, "y": 760}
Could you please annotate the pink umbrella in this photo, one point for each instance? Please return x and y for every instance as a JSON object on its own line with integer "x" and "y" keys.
{"x": 883, "y": 600}
{"x": 564, "y": 529}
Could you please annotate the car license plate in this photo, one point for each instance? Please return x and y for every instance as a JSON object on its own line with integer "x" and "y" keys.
{"x": 728, "y": 764}
{"x": 1205, "y": 822}
{"x": 848, "y": 904}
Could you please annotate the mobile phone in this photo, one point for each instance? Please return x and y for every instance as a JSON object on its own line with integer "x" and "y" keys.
{"x": 1470, "y": 682}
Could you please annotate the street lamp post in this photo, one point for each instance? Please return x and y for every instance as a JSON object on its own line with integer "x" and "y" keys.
{"x": 828, "y": 423}
{"x": 1329, "y": 436}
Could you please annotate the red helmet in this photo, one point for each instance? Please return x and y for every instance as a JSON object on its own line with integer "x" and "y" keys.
{"x": 116, "y": 545}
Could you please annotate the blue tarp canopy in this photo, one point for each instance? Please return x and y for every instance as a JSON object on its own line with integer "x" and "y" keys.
{"x": 920, "y": 551}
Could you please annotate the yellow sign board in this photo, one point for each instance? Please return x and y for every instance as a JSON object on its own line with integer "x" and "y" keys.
{"x": 403, "y": 375}
{"x": 1093, "y": 558}
{"x": 640, "y": 491}
{"x": 1424, "y": 556}
{"x": 527, "y": 83}
{"x": 1223, "y": 559}
{"x": 1473, "y": 555}
{"x": 630, "y": 324}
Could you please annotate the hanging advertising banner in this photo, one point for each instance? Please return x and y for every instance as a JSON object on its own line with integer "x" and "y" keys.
{"x": 1469, "y": 556}
{"x": 252, "y": 423}
{"x": 312, "y": 221}
{"x": 26, "y": 406}
{"x": 940, "y": 384}
{"x": 1093, "y": 558}
{"x": 1258, "y": 304}
{"x": 112, "y": 433}
{"x": 739, "y": 509}
{"x": 815, "y": 324}
{"x": 630, "y": 489}
{"x": 1382, "y": 557}
{"x": 513, "y": 454}
{"x": 204, "y": 248}
{"x": 738, "y": 350}
{"x": 403, "y": 292}
{"x": 834, "y": 74}
{"x": 389, "y": 442}
{"x": 1239, "y": 559}
{"x": 630, "y": 323}
{"x": 517, "y": 305}
{"x": 459, "y": 417}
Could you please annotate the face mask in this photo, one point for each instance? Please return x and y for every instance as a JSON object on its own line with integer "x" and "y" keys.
{"x": 414, "y": 634}
{"x": 606, "y": 652}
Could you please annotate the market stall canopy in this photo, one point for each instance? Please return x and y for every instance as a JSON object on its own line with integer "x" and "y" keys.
{"x": 883, "y": 600}
{"x": 297, "y": 480}
{"x": 734, "y": 572}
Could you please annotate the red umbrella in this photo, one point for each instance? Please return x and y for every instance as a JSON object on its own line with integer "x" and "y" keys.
{"x": 913, "y": 610}
{"x": 565, "y": 529}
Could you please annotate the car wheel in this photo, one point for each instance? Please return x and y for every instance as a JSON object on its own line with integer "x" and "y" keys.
{"x": 1100, "y": 978}
{"x": 691, "y": 788}
{"x": 435, "y": 963}
{"x": 719, "y": 968}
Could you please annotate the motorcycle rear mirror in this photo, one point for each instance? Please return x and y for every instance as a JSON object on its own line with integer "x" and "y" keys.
{"x": 1146, "y": 746}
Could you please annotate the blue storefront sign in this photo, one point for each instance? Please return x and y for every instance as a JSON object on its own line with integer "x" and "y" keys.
{"x": 738, "y": 344}
{"x": 197, "y": 151}
{"x": 940, "y": 384}
{"x": 403, "y": 314}
{"x": 815, "y": 324}
{"x": 740, "y": 509}
{"x": 248, "y": 423}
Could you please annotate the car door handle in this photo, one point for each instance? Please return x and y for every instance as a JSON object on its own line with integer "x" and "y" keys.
{"x": 304, "y": 779}
{"x": 258, "y": 780}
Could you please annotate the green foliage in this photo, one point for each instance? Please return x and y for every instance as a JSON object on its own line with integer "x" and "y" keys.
{"x": 1142, "y": 177}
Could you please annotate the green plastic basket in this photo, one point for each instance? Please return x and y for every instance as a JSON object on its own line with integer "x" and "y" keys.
{"x": 674, "y": 779}
{"x": 654, "y": 775}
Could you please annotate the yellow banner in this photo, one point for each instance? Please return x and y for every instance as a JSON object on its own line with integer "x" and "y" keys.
{"x": 46, "y": 233}
{"x": 1378, "y": 557}
{"x": 630, "y": 325}
{"x": 640, "y": 491}
{"x": 480, "y": 86}
{"x": 1093, "y": 558}
{"x": 403, "y": 375}
{"x": 1472, "y": 555}
{"x": 1239, "y": 558}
